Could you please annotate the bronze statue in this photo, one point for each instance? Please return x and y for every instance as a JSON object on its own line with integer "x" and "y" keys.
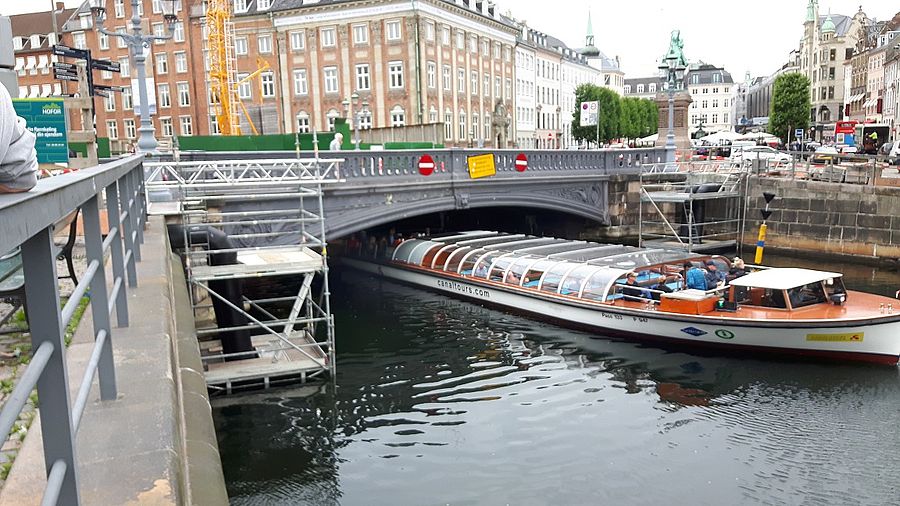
{"x": 676, "y": 49}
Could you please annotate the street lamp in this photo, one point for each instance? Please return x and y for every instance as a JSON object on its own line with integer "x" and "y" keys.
{"x": 137, "y": 43}
{"x": 672, "y": 71}
{"x": 360, "y": 110}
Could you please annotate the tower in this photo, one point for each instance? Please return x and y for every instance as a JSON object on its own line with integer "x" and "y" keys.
{"x": 589, "y": 50}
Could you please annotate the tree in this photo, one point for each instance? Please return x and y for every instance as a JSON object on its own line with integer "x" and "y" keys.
{"x": 619, "y": 117}
{"x": 790, "y": 105}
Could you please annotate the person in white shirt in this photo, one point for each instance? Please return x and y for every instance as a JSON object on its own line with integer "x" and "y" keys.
{"x": 336, "y": 142}
{"x": 18, "y": 159}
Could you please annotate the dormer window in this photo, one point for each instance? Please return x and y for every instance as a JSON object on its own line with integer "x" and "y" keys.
{"x": 640, "y": 88}
{"x": 17, "y": 43}
{"x": 241, "y": 5}
{"x": 262, "y": 5}
{"x": 652, "y": 87}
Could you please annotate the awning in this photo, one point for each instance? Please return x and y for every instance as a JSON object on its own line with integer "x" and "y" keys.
{"x": 42, "y": 62}
{"x": 871, "y": 102}
{"x": 20, "y": 64}
{"x": 31, "y": 63}
{"x": 46, "y": 90}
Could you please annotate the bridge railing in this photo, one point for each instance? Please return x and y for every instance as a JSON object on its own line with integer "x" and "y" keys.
{"x": 26, "y": 222}
{"x": 452, "y": 163}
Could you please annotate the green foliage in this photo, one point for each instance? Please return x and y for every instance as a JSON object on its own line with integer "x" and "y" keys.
{"x": 790, "y": 105}
{"x": 76, "y": 319}
{"x": 619, "y": 117}
{"x": 5, "y": 468}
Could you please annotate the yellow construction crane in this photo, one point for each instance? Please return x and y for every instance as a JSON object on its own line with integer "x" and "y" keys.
{"x": 220, "y": 37}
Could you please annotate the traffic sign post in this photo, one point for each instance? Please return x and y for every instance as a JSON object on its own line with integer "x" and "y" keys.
{"x": 426, "y": 165}
{"x": 798, "y": 134}
{"x": 521, "y": 162}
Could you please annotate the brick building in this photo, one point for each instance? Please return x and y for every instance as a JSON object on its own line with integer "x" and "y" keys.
{"x": 34, "y": 34}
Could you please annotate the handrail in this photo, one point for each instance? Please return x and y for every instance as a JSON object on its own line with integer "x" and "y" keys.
{"x": 26, "y": 221}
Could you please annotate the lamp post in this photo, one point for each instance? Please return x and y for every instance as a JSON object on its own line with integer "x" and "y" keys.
{"x": 137, "y": 43}
{"x": 360, "y": 110}
{"x": 672, "y": 71}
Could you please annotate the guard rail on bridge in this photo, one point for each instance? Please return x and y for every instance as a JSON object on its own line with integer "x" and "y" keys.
{"x": 26, "y": 222}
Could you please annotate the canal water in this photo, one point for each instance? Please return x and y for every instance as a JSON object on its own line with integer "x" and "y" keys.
{"x": 441, "y": 401}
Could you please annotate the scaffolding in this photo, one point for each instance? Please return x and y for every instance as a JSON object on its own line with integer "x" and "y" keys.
{"x": 695, "y": 206}
{"x": 255, "y": 257}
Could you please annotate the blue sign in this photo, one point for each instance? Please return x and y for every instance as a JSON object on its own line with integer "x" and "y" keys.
{"x": 46, "y": 119}
{"x": 798, "y": 134}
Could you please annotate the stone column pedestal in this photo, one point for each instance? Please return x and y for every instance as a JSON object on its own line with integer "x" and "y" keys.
{"x": 682, "y": 134}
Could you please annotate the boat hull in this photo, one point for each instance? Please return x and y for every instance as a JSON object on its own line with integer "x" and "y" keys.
{"x": 833, "y": 339}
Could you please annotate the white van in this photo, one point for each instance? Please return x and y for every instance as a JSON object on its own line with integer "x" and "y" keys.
{"x": 737, "y": 148}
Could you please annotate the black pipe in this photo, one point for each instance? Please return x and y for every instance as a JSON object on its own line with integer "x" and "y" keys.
{"x": 233, "y": 341}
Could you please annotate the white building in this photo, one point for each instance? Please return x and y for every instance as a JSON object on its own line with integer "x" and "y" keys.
{"x": 711, "y": 89}
{"x": 525, "y": 72}
{"x": 575, "y": 72}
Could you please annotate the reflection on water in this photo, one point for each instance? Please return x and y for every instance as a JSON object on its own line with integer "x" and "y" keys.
{"x": 439, "y": 401}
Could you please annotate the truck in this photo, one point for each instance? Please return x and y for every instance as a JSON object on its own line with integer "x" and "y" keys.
{"x": 870, "y": 137}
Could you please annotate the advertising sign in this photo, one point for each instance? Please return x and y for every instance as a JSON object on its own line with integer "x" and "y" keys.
{"x": 589, "y": 113}
{"x": 46, "y": 119}
{"x": 481, "y": 166}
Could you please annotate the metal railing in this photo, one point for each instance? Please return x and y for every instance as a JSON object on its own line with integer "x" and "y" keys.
{"x": 26, "y": 221}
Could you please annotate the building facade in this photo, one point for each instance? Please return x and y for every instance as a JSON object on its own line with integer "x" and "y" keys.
{"x": 34, "y": 35}
{"x": 525, "y": 115}
{"x": 711, "y": 89}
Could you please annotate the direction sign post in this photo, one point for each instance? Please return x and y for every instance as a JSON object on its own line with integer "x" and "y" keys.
{"x": 798, "y": 134}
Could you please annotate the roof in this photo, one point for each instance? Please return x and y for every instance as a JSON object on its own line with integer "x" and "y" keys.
{"x": 705, "y": 73}
{"x": 783, "y": 278}
{"x": 634, "y": 81}
{"x": 26, "y": 25}
{"x": 840, "y": 23}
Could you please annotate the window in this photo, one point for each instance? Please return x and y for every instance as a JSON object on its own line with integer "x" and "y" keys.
{"x": 508, "y": 88}
{"x": 445, "y": 35}
{"x": 486, "y": 86}
{"x": 507, "y": 53}
{"x": 241, "y": 5}
{"x": 157, "y": 6}
{"x": 460, "y": 40}
{"x": 360, "y": 34}
{"x": 485, "y": 47}
{"x": 640, "y": 88}
{"x": 214, "y": 125}
{"x": 162, "y": 63}
{"x": 264, "y": 42}
{"x": 715, "y": 118}
{"x": 705, "y": 90}
{"x": 119, "y": 8}
{"x": 298, "y": 42}
{"x": 267, "y": 83}
{"x": 159, "y": 31}
{"x": 715, "y": 90}
{"x": 725, "y": 118}
{"x": 398, "y": 116}
{"x": 127, "y": 101}
{"x": 473, "y": 85}
{"x": 165, "y": 125}
{"x": 244, "y": 87}
{"x": 496, "y": 87}
{"x": 832, "y": 55}
{"x": 448, "y": 124}
{"x": 627, "y": 88}
{"x": 473, "y": 44}
{"x": 651, "y": 88}
{"x": 162, "y": 97}
{"x": 106, "y": 74}
{"x": 695, "y": 78}
{"x": 262, "y": 5}
{"x": 240, "y": 45}
{"x": 301, "y": 85}
{"x": 474, "y": 125}
{"x": 184, "y": 94}
{"x": 705, "y": 103}
{"x": 180, "y": 62}
{"x": 461, "y": 80}
{"x": 393, "y": 30}
{"x": 331, "y": 79}
{"x": 120, "y": 42}
{"x": 112, "y": 129}
{"x": 79, "y": 40}
{"x": 717, "y": 77}
{"x": 432, "y": 115}
{"x": 124, "y": 67}
{"x": 303, "y": 123}
{"x": 185, "y": 125}
{"x": 109, "y": 103}
{"x": 130, "y": 131}
{"x": 362, "y": 76}
{"x": 327, "y": 36}
{"x": 429, "y": 30}
{"x": 395, "y": 71}
{"x": 430, "y": 72}
{"x": 462, "y": 125}
{"x": 715, "y": 103}
{"x": 497, "y": 50}
{"x": 331, "y": 116}
{"x": 178, "y": 31}
{"x": 103, "y": 40}
{"x": 446, "y": 77}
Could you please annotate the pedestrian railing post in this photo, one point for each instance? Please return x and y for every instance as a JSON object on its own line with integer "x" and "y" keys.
{"x": 137, "y": 180}
{"x": 42, "y": 300}
{"x": 118, "y": 258}
{"x": 93, "y": 246}
{"x": 134, "y": 218}
{"x": 127, "y": 233}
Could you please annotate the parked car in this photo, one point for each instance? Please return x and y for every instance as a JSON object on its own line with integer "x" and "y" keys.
{"x": 825, "y": 153}
{"x": 771, "y": 155}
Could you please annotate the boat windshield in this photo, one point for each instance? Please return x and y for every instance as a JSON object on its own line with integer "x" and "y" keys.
{"x": 806, "y": 295}
{"x": 598, "y": 284}
{"x": 402, "y": 253}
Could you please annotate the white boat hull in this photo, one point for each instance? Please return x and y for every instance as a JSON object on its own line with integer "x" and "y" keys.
{"x": 878, "y": 342}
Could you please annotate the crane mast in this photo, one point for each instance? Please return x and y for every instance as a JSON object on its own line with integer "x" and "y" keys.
{"x": 222, "y": 65}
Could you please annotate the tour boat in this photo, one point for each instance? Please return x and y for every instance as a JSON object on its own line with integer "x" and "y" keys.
{"x": 787, "y": 311}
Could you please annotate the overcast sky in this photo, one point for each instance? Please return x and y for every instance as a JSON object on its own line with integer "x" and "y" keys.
{"x": 740, "y": 35}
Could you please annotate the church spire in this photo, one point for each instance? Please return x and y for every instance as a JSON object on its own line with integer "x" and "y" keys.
{"x": 589, "y": 50}
{"x": 812, "y": 11}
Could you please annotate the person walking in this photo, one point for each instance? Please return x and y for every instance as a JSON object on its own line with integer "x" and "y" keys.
{"x": 336, "y": 142}
{"x": 18, "y": 159}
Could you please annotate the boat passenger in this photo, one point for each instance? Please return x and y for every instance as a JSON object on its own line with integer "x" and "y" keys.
{"x": 737, "y": 270}
{"x": 714, "y": 277}
{"x": 481, "y": 270}
{"x": 512, "y": 278}
{"x": 633, "y": 291}
{"x": 663, "y": 286}
{"x": 694, "y": 277}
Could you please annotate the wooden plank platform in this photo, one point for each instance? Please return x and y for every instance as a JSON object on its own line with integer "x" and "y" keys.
{"x": 257, "y": 263}
{"x": 684, "y": 196}
{"x": 697, "y": 247}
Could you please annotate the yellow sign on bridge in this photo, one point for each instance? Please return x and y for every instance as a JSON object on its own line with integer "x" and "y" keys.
{"x": 481, "y": 166}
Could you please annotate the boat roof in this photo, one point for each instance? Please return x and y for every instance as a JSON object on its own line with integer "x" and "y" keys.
{"x": 783, "y": 278}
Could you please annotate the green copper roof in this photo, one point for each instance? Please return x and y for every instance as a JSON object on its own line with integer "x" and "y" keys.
{"x": 828, "y": 25}
{"x": 811, "y": 11}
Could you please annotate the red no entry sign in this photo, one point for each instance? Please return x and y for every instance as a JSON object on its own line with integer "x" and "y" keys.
{"x": 426, "y": 165}
{"x": 521, "y": 162}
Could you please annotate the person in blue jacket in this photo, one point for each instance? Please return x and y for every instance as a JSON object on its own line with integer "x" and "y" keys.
{"x": 694, "y": 277}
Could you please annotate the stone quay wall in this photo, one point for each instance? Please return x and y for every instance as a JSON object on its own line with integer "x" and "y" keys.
{"x": 833, "y": 218}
